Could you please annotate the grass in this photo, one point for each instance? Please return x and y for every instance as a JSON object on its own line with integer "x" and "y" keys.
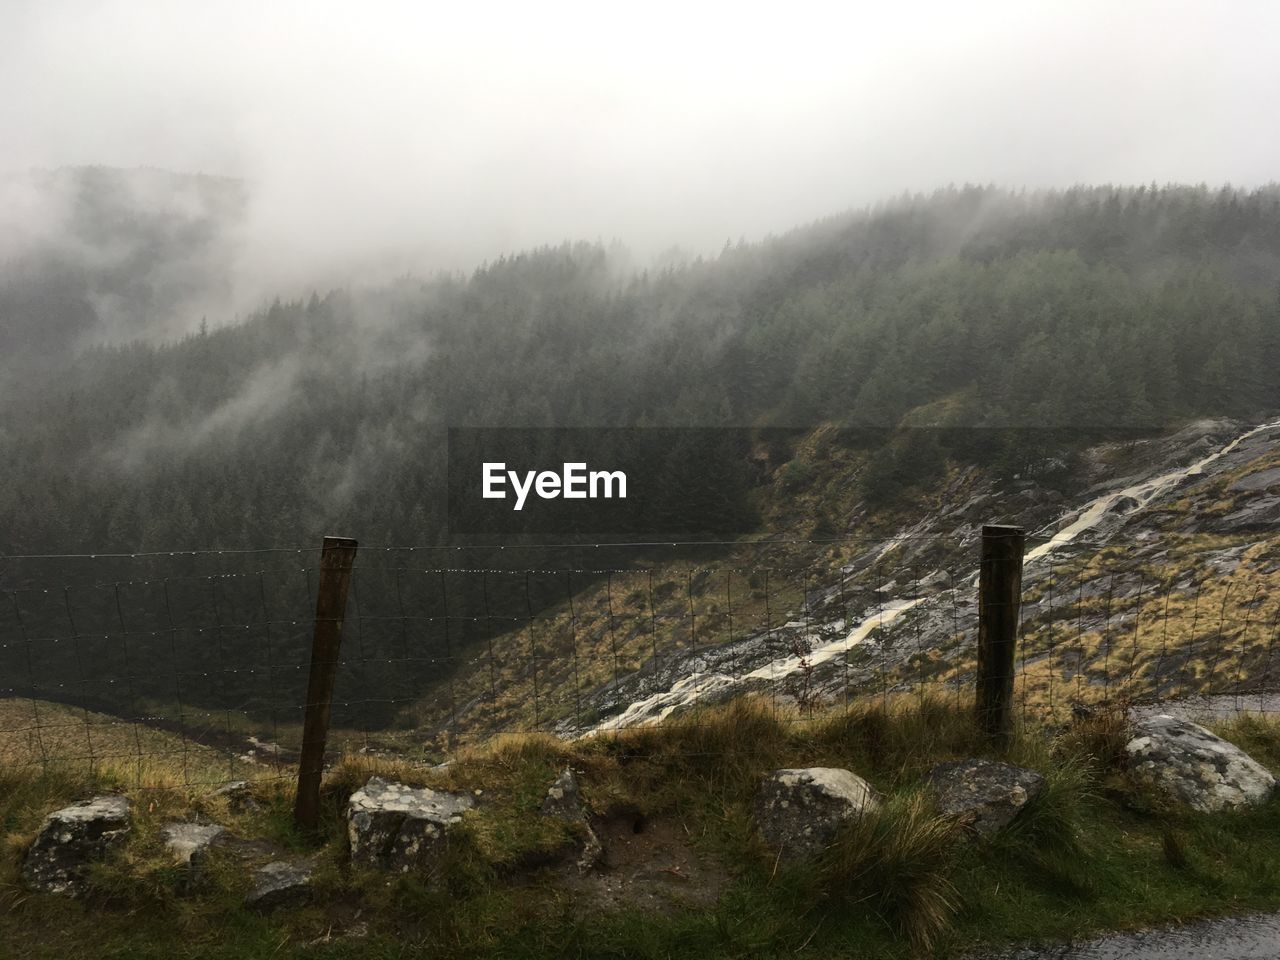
{"x": 1092, "y": 852}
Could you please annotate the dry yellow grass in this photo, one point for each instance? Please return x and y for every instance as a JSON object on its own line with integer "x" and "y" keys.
{"x": 41, "y": 736}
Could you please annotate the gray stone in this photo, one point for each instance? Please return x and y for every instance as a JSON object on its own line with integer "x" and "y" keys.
{"x": 72, "y": 838}
{"x": 984, "y": 795}
{"x": 1195, "y": 766}
{"x": 279, "y": 883}
{"x": 401, "y": 828}
{"x": 1259, "y": 480}
{"x": 1261, "y": 513}
{"x": 188, "y": 842}
{"x": 799, "y": 812}
{"x": 238, "y": 796}
{"x": 564, "y": 802}
{"x": 564, "y": 798}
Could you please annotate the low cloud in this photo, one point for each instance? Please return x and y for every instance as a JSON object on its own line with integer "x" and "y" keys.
{"x": 377, "y": 139}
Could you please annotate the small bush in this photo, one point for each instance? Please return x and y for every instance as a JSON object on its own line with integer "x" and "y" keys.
{"x": 1099, "y": 734}
{"x": 898, "y": 861}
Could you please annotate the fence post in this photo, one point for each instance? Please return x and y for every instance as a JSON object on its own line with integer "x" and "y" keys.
{"x": 336, "y": 559}
{"x": 999, "y": 599}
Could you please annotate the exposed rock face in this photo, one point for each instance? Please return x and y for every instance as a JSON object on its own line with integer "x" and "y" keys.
{"x": 984, "y": 795}
{"x": 1198, "y": 768}
{"x": 70, "y": 839}
{"x": 798, "y": 812}
{"x": 401, "y": 828}
{"x": 1260, "y": 513}
{"x": 1258, "y": 480}
{"x": 279, "y": 883}
{"x": 564, "y": 802}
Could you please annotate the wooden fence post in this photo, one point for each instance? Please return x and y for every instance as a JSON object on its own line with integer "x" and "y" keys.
{"x": 999, "y": 600}
{"x": 336, "y": 560}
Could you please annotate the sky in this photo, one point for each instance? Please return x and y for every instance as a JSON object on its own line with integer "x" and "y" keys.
{"x": 384, "y": 136}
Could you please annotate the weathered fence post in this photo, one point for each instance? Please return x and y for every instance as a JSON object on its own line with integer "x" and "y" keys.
{"x": 999, "y": 599}
{"x": 336, "y": 560}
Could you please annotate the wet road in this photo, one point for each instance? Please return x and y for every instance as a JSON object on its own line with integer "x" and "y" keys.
{"x": 1237, "y": 938}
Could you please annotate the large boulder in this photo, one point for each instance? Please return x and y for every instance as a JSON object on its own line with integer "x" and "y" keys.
{"x": 401, "y": 828}
{"x": 1195, "y": 766}
{"x": 564, "y": 802}
{"x": 799, "y": 812}
{"x": 72, "y": 838}
{"x": 984, "y": 795}
{"x": 279, "y": 883}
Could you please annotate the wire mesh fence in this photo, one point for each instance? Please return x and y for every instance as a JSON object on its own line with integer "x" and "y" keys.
{"x": 192, "y": 668}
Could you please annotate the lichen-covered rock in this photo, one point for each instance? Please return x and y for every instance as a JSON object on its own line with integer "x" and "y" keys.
{"x": 564, "y": 802}
{"x": 798, "y": 812}
{"x": 1195, "y": 766}
{"x": 279, "y": 883}
{"x": 401, "y": 828}
{"x": 70, "y": 839}
{"x": 984, "y": 795}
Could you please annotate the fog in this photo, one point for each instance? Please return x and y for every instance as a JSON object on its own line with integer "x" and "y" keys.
{"x": 380, "y": 138}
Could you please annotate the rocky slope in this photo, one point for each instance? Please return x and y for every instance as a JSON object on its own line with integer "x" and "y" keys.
{"x": 1157, "y": 582}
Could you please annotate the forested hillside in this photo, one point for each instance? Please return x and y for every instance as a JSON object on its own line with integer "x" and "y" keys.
{"x": 973, "y": 307}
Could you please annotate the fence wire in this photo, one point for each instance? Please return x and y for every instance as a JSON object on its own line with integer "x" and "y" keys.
{"x": 191, "y": 667}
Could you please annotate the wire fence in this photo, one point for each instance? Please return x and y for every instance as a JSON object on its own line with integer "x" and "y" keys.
{"x": 192, "y": 667}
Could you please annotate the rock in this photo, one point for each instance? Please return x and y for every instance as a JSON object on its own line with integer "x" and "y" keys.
{"x": 279, "y": 883}
{"x": 564, "y": 798}
{"x": 188, "y": 842}
{"x": 1123, "y": 505}
{"x": 564, "y": 802}
{"x": 1260, "y": 480}
{"x": 401, "y": 828}
{"x": 238, "y": 796}
{"x": 984, "y": 795}
{"x": 798, "y": 812}
{"x": 1261, "y": 513}
{"x": 70, "y": 839}
{"x": 1200, "y": 769}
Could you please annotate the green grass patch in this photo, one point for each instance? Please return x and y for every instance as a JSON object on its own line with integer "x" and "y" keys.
{"x": 1091, "y": 853}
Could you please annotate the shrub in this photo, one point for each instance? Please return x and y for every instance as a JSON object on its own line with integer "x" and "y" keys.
{"x": 898, "y": 861}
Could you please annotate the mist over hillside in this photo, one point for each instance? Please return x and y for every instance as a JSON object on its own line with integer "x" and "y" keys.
{"x": 972, "y": 307}
{"x": 684, "y": 480}
{"x": 95, "y": 255}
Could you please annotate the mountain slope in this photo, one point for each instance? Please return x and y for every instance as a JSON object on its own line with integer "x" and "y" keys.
{"x": 1161, "y": 578}
{"x": 955, "y": 327}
